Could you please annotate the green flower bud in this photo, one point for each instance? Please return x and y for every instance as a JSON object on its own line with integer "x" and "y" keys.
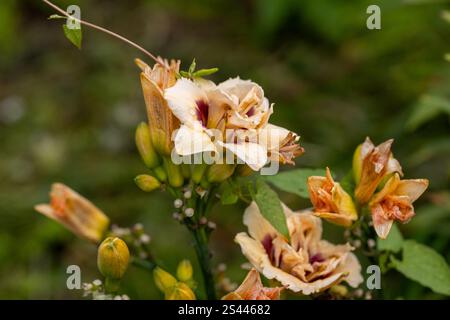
{"x": 198, "y": 172}
{"x": 113, "y": 257}
{"x": 243, "y": 170}
{"x": 145, "y": 147}
{"x": 163, "y": 280}
{"x": 147, "y": 183}
{"x": 184, "y": 271}
{"x": 219, "y": 172}
{"x": 174, "y": 175}
{"x": 180, "y": 291}
{"x": 357, "y": 164}
{"x": 160, "y": 173}
{"x": 186, "y": 171}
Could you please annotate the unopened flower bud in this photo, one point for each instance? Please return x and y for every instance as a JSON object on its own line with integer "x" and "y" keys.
{"x": 189, "y": 212}
{"x": 180, "y": 291}
{"x": 146, "y": 182}
{"x": 243, "y": 170}
{"x": 160, "y": 173}
{"x": 163, "y": 280}
{"x": 187, "y": 194}
{"x": 145, "y": 147}
{"x": 184, "y": 271}
{"x": 186, "y": 170}
{"x": 178, "y": 203}
{"x": 198, "y": 171}
{"x": 219, "y": 172}
{"x": 174, "y": 175}
{"x": 112, "y": 258}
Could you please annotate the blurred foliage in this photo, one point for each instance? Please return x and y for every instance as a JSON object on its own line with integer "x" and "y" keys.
{"x": 68, "y": 115}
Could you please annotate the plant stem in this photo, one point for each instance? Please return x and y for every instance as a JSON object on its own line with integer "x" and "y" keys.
{"x": 204, "y": 258}
{"x": 201, "y": 238}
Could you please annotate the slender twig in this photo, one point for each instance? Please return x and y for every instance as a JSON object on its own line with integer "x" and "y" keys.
{"x": 118, "y": 36}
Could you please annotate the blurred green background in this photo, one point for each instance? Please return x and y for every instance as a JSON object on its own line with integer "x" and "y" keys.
{"x": 68, "y": 115}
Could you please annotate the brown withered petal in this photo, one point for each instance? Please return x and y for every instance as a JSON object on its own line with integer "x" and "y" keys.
{"x": 162, "y": 122}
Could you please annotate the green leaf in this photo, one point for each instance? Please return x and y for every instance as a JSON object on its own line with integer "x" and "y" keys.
{"x": 185, "y": 74}
{"x": 204, "y": 72}
{"x": 192, "y": 67}
{"x": 425, "y": 266}
{"x": 228, "y": 195}
{"x": 74, "y": 35}
{"x": 393, "y": 242}
{"x": 270, "y": 206}
{"x": 428, "y": 107}
{"x": 294, "y": 181}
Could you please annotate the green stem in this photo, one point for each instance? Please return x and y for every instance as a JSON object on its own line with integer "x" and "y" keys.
{"x": 204, "y": 258}
{"x": 201, "y": 239}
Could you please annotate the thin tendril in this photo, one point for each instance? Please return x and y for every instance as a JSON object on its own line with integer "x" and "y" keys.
{"x": 118, "y": 36}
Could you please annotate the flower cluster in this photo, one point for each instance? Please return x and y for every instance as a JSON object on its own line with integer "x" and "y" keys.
{"x": 377, "y": 175}
{"x": 190, "y": 116}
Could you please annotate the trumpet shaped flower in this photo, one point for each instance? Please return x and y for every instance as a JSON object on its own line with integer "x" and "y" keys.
{"x": 394, "y": 202}
{"x": 305, "y": 263}
{"x": 330, "y": 200}
{"x": 75, "y": 212}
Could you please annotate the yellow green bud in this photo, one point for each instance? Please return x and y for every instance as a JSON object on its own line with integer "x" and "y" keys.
{"x": 198, "y": 171}
{"x": 243, "y": 170}
{"x": 219, "y": 172}
{"x": 184, "y": 271}
{"x": 163, "y": 280}
{"x": 357, "y": 164}
{"x": 146, "y": 182}
{"x": 174, "y": 175}
{"x": 180, "y": 291}
{"x": 160, "y": 173}
{"x": 186, "y": 170}
{"x": 145, "y": 147}
{"x": 113, "y": 257}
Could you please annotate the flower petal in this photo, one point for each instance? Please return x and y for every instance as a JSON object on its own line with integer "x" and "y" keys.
{"x": 253, "y": 154}
{"x": 413, "y": 188}
{"x": 183, "y": 99}
{"x": 191, "y": 140}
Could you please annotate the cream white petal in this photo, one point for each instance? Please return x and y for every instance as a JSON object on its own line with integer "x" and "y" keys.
{"x": 253, "y": 154}
{"x": 252, "y": 250}
{"x": 182, "y": 99}
{"x": 271, "y": 136}
{"x": 191, "y": 140}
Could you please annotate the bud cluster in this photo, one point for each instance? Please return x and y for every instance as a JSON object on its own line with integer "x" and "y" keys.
{"x": 176, "y": 288}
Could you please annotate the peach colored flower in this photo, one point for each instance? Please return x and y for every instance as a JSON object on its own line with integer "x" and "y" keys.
{"x": 305, "y": 263}
{"x": 330, "y": 201}
{"x": 394, "y": 202}
{"x": 75, "y": 212}
{"x": 371, "y": 164}
{"x": 229, "y": 116}
{"x": 253, "y": 289}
